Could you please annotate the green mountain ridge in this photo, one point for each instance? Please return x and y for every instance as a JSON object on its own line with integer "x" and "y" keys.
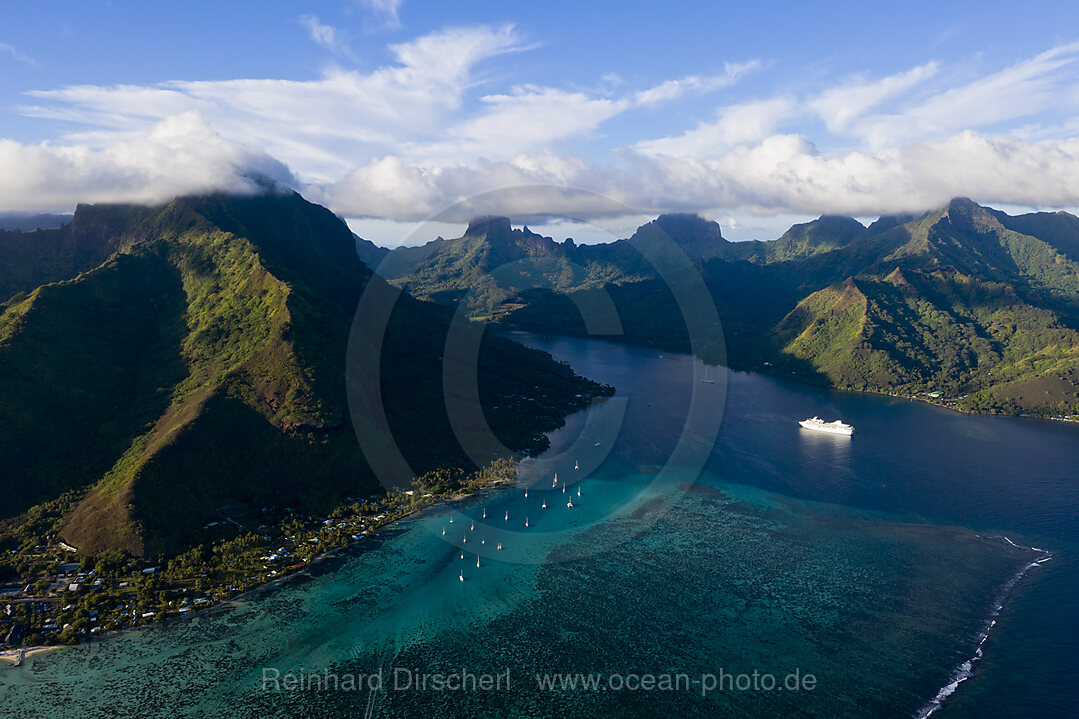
{"x": 200, "y": 363}
{"x": 975, "y": 306}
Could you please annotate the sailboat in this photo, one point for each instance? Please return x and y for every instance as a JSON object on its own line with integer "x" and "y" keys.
{"x": 451, "y": 519}
{"x": 578, "y": 491}
{"x": 484, "y": 513}
{"x": 464, "y": 539}
{"x": 443, "y": 531}
{"x": 563, "y": 489}
{"x": 526, "y": 494}
{"x": 483, "y": 541}
{"x": 462, "y": 577}
{"x": 473, "y": 527}
{"x": 477, "y": 560}
{"x": 500, "y": 546}
{"x": 526, "y": 521}
{"x": 544, "y": 504}
{"x": 462, "y": 555}
{"x": 570, "y": 504}
{"x": 576, "y": 464}
{"x": 507, "y": 515}
{"x": 555, "y": 483}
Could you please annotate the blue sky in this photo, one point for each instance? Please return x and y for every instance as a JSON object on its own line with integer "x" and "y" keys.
{"x": 391, "y": 112}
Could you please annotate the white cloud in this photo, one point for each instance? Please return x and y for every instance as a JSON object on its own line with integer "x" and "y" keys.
{"x": 408, "y": 139}
{"x": 385, "y": 10}
{"x": 318, "y": 127}
{"x": 839, "y": 106}
{"x": 6, "y": 49}
{"x": 526, "y": 119}
{"x": 674, "y": 89}
{"x": 1045, "y": 82}
{"x": 327, "y": 36}
{"x": 178, "y": 156}
{"x": 736, "y": 124}
{"x": 779, "y": 174}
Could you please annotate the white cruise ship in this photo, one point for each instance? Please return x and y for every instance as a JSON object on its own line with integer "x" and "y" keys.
{"x": 819, "y": 425}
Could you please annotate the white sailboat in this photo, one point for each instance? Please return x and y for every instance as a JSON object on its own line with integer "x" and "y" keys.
{"x": 472, "y": 528}
{"x": 578, "y": 491}
{"x": 526, "y": 521}
{"x": 464, "y": 539}
{"x": 544, "y": 504}
{"x": 477, "y": 560}
{"x": 576, "y": 464}
{"x": 563, "y": 489}
{"x": 500, "y": 546}
{"x": 443, "y": 531}
{"x": 570, "y": 504}
{"x": 507, "y": 515}
{"x": 451, "y": 519}
{"x": 462, "y": 577}
{"x": 484, "y": 513}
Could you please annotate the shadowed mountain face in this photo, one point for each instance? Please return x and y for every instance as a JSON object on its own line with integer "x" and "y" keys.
{"x": 161, "y": 362}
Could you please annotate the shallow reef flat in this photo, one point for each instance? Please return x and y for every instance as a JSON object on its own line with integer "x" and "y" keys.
{"x": 711, "y": 578}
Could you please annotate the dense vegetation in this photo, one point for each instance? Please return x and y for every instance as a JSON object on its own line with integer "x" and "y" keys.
{"x": 174, "y": 360}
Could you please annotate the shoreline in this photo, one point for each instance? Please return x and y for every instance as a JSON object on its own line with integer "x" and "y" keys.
{"x": 761, "y": 370}
{"x": 16, "y": 657}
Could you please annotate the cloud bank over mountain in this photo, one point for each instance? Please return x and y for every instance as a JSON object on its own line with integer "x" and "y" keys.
{"x": 440, "y": 124}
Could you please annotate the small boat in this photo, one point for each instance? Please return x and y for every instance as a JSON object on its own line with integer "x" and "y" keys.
{"x": 451, "y": 519}
{"x": 462, "y": 555}
{"x": 526, "y": 521}
{"x": 484, "y": 513}
{"x": 483, "y": 541}
{"x": 464, "y": 540}
{"x": 462, "y": 577}
{"x": 443, "y": 531}
{"x": 563, "y": 489}
{"x": 576, "y": 464}
{"x": 472, "y": 528}
{"x": 507, "y": 515}
{"x": 544, "y": 504}
{"x": 578, "y": 491}
{"x": 597, "y": 443}
{"x": 526, "y": 494}
{"x": 477, "y": 560}
{"x": 570, "y": 504}
{"x": 555, "y": 482}
{"x": 500, "y": 546}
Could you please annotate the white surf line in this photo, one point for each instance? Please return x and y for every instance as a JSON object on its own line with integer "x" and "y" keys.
{"x": 966, "y": 670}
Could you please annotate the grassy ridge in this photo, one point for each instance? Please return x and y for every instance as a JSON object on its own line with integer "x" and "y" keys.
{"x": 202, "y": 365}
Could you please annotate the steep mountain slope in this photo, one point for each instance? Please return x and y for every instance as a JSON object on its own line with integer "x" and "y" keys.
{"x": 490, "y": 265}
{"x": 965, "y": 307}
{"x": 965, "y": 301}
{"x": 826, "y": 233}
{"x": 201, "y": 364}
{"x": 493, "y": 264}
